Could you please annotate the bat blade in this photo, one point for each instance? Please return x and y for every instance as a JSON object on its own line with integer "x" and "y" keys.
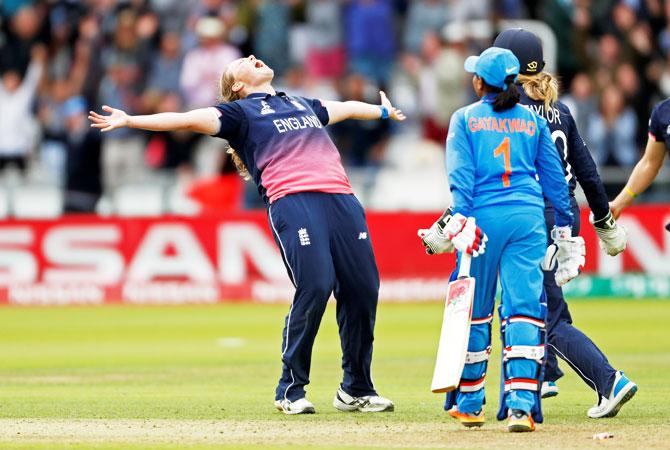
{"x": 453, "y": 344}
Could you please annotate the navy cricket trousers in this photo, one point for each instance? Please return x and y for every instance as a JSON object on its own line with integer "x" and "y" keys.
{"x": 565, "y": 340}
{"x": 326, "y": 247}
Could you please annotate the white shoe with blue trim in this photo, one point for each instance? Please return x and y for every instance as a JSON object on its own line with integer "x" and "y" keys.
{"x": 622, "y": 391}
{"x": 549, "y": 389}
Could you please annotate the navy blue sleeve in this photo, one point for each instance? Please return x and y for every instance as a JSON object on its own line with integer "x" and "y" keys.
{"x": 320, "y": 110}
{"x": 231, "y": 118}
{"x": 586, "y": 172}
{"x": 656, "y": 128}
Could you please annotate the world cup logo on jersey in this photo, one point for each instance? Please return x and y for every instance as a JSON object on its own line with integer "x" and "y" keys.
{"x": 265, "y": 108}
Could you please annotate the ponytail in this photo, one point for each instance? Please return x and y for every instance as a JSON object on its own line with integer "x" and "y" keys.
{"x": 226, "y": 94}
{"x": 541, "y": 86}
{"x": 505, "y": 99}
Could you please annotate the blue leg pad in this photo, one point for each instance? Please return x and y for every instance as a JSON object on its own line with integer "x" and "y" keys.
{"x": 523, "y": 341}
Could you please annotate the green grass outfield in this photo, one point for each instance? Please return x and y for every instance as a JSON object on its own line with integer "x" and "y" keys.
{"x": 204, "y": 377}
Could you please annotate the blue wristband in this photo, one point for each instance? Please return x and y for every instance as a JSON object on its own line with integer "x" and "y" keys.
{"x": 385, "y": 112}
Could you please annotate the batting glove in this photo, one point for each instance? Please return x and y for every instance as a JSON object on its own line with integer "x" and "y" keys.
{"x": 566, "y": 255}
{"x": 612, "y": 237}
{"x": 466, "y": 236}
{"x": 434, "y": 239}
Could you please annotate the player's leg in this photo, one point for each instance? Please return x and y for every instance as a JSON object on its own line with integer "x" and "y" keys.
{"x": 574, "y": 347}
{"x": 523, "y": 315}
{"x": 469, "y": 398}
{"x": 555, "y": 311}
{"x": 356, "y": 292}
{"x": 300, "y": 229}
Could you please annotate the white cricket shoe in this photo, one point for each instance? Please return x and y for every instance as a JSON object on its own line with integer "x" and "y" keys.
{"x": 367, "y": 403}
{"x": 622, "y": 391}
{"x": 549, "y": 389}
{"x": 300, "y": 406}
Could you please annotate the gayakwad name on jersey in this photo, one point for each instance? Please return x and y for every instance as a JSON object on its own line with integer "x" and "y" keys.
{"x": 297, "y": 123}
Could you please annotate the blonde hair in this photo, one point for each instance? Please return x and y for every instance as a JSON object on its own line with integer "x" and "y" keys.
{"x": 226, "y": 94}
{"x": 540, "y": 86}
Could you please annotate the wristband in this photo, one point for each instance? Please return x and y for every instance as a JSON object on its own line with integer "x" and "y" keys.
{"x": 385, "y": 112}
{"x": 629, "y": 191}
{"x": 606, "y": 223}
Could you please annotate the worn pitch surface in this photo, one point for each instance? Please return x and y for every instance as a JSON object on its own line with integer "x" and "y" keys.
{"x": 203, "y": 376}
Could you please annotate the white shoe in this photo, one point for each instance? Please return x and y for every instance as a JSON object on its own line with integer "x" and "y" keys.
{"x": 300, "y": 406}
{"x": 549, "y": 389}
{"x": 622, "y": 391}
{"x": 367, "y": 403}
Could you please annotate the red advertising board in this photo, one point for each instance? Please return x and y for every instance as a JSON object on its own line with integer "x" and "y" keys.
{"x": 92, "y": 260}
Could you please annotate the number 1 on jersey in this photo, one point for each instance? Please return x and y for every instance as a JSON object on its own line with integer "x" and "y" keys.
{"x": 503, "y": 149}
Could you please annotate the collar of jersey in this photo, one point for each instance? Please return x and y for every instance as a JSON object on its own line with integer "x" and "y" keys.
{"x": 489, "y": 98}
{"x": 264, "y": 95}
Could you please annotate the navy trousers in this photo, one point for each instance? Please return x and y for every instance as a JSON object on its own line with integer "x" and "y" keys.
{"x": 565, "y": 340}
{"x": 326, "y": 247}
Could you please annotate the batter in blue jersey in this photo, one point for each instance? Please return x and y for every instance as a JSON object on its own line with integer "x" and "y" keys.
{"x": 501, "y": 162}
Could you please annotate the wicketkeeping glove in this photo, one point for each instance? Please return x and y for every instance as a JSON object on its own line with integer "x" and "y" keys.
{"x": 434, "y": 239}
{"x": 566, "y": 254}
{"x": 466, "y": 236}
{"x": 612, "y": 237}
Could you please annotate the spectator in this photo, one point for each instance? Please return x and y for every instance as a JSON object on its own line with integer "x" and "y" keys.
{"x": 172, "y": 150}
{"x": 639, "y": 100}
{"x": 607, "y": 60}
{"x": 24, "y": 28}
{"x": 83, "y": 186}
{"x": 370, "y": 38}
{"x": 441, "y": 89}
{"x": 424, "y": 16}
{"x": 53, "y": 151}
{"x": 140, "y": 54}
{"x": 326, "y": 57}
{"x": 166, "y": 68}
{"x": 122, "y": 149}
{"x": 202, "y": 65}
{"x": 581, "y": 101}
{"x": 18, "y": 130}
{"x": 362, "y": 143}
{"x": 273, "y": 18}
{"x": 612, "y": 131}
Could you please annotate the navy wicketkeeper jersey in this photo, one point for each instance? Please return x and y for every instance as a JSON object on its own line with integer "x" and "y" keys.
{"x": 577, "y": 161}
{"x": 659, "y": 123}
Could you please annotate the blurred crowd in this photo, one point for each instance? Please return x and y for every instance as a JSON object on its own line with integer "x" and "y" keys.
{"x": 60, "y": 58}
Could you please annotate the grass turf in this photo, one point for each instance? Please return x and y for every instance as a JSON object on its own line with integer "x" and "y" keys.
{"x": 201, "y": 376}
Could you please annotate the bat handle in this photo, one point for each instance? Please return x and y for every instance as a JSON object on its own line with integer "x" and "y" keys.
{"x": 464, "y": 267}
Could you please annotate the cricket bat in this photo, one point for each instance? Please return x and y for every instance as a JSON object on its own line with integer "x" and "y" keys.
{"x": 453, "y": 346}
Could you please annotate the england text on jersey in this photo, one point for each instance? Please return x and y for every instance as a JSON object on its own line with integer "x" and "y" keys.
{"x": 297, "y": 123}
{"x": 501, "y": 125}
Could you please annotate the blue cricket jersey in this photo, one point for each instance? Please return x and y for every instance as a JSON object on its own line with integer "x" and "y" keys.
{"x": 659, "y": 123}
{"x": 578, "y": 164}
{"x": 506, "y": 158}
